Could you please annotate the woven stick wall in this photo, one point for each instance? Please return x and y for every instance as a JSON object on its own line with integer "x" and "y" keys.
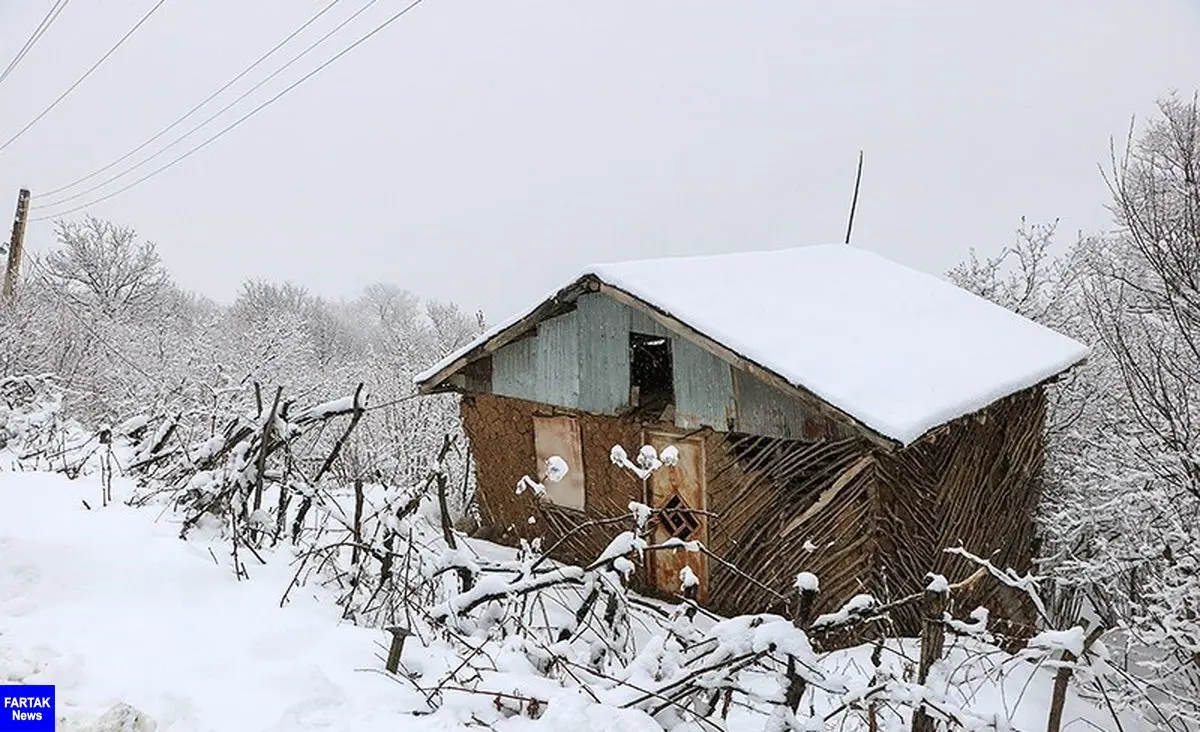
{"x": 861, "y": 519}
{"x": 785, "y": 507}
{"x": 976, "y": 483}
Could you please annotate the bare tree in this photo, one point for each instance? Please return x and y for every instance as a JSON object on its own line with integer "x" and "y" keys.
{"x": 1121, "y": 516}
{"x": 451, "y": 327}
{"x": 1144, "y": 297}
{"x": 101, "y": 264}
{"x": 393, "y": 308}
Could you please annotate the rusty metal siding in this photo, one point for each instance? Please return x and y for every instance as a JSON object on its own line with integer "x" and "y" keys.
{"x": 514, "y": 370}
{"x": 557, "y": 357}
{"x": 762, "y": 409}
{"x": 603, "y": 353}
{"x": 703, "y": 387}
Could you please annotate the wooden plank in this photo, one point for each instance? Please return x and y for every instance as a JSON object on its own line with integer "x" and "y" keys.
{"x": 829, "y": 494}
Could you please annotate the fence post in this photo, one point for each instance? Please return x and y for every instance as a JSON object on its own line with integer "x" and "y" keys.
{"x": 399, "y": 634}
{"x": 933, "y": 637}
{"x": 804, "y": 599}
{"x": 1063, "y": 677}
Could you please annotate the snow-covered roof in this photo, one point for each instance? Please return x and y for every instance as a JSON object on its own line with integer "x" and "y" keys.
{"x": 899, "y": 350}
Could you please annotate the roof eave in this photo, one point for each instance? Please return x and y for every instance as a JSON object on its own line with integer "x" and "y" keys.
{"x": 437, "y": 382}
{"x": 1052, "y": 379}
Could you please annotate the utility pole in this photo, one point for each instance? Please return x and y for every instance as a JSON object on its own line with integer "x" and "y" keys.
{"x": 12, "y": 272}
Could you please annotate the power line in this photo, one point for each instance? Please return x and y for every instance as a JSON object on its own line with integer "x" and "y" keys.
{"x": 404, "y": 11}
{"x": 47, "y": 20}
{"x": 210, "y": 118}
{"x": 83, "y": 78}
{"x": 196, "y": 108}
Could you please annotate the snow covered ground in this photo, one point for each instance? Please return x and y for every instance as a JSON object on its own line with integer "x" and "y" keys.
{"x": 113, "y": 608}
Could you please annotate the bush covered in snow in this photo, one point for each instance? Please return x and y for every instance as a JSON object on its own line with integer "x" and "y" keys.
{"x": 101, "y": 318}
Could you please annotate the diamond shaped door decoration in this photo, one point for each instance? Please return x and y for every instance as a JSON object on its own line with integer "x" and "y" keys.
{"x": 677, "y": 518}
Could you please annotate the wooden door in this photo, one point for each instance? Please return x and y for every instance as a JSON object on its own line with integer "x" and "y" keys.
{"x": 679, "y": 492}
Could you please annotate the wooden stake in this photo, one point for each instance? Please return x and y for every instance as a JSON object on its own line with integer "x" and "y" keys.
{"x": 933, "y": 636}
{"x": 265, "y": 448}
{"x": 13, "y": 271}
{"x": 804, "y": 599}
{"x": 1062, "y": 678}
{"x": 399, "y": 633}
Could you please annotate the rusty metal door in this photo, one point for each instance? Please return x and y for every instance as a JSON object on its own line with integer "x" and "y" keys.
{"x": 679, "y": 492}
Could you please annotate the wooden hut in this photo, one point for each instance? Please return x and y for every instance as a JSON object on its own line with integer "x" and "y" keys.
{"x": 834, "y": 412}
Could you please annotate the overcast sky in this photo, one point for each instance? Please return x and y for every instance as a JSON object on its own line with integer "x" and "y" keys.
{"x": 483, "y": 151}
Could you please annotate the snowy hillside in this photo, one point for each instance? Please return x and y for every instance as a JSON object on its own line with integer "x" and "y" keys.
{"x": 112, "y": 607}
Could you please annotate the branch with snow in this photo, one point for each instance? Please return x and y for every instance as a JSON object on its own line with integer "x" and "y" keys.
{"x": 1027, "y": 584}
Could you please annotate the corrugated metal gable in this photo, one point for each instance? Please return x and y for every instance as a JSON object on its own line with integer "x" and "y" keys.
{"x": 557, "y": 356}
{"x": 703, "y": 387}
{"x": 603, "y": 353}
{"x": 580, "y": 360}
{"x": 514, "y": 370}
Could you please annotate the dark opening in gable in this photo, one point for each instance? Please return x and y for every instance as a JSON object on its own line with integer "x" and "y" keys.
{"x": 651, "y": 372}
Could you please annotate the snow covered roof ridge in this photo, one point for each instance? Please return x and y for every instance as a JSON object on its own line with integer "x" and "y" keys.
{"x": 898, "y": 350}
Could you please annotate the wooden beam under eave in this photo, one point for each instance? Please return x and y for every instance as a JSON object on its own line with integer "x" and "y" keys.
{"x": 738, "y": 361}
